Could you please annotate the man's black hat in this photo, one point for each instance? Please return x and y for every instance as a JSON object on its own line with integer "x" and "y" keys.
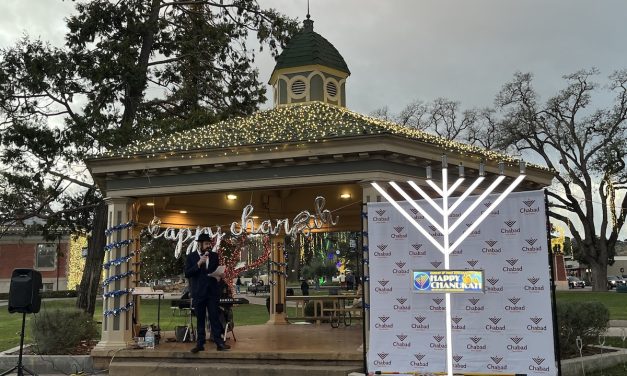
{"x": 203, "y": 238}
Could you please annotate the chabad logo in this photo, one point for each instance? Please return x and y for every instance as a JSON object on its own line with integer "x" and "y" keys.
{"x": 416, "y": 250}
{"x": 415, "y": 215}
{"x": 401, "y": 307}
{"x": 475, "y": 232}
{"x": 516, "y": 347}
{"x": 472, "y": 262}
{"x": 382, "y": 289}
{"x": 419, "y": 325}
{"x": 457, "y": 358}
{"x": 536, "y": 327}
{"x": 497, "y": 366}
{"x": 528, "y": 208}
{"x": 436, "y": 264}
{"x": 438, "y": 345}
{"x": 434, "y": 231}
{"x": 474, "y": 307}
{"x": 419, "y": 361}
{"x": 474, "y": 345}
{"x": 380, "y": 218}
{"x": 496, "y": 359}
{"x": 490, "y": 249}
{"x": 533, "y": 288}
{"x": 381, "y": 252}
{"x": 515, "y": 307}
{"x": 383, "y": 324}
{"x": 400, "y": 269}
{"x": 538, "y": 365}
{"x": 456, "y": 325}
{"x": 531, "y": 248}
{"x": 457, "y": 364}
{"x": 402, "y": 343}
{"x": 512, "y": 268}
{"x": 494, "y": 327}
{"x": 437, "y": 307}
{"x": 381, "y": 361}
{"x": 510, "y": 230}
{"x": 492, "y": 286}
{"x": 399, "y": 233}
{"x": 487, "y": 205}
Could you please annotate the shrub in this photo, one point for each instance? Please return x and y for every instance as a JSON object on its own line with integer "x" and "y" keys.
{"x": 586, "y": 320}
{"x": 60, "y": 331}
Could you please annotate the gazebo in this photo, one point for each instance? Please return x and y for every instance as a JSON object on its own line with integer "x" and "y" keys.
{"x": 278, "y": 161}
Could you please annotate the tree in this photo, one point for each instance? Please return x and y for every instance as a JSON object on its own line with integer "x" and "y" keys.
{"x": 59, "y": 105}
{"x": 587, "y": 150}
{"x": 158, "y": 260}
{"x": 445, "y": 118}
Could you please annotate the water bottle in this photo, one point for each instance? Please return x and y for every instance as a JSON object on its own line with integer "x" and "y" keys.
{"x": 150, "y": 338}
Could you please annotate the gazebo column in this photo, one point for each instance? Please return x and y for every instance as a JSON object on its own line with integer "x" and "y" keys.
{"x": 117, "y": 328}
{"x": 278, "y": 283}
{"x": 369, "y": 194}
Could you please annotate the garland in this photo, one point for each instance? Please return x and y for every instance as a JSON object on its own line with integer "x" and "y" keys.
{"x": 117, "y": 277}
{"x": 118, "y": 261}
{"x": 117, "y": 311}
{"x": 115, "y": 293}
{"x": 119, "y": 244}
{"x": 119, "y": 227}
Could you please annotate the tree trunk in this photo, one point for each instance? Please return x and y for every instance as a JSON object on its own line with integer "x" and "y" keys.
{"x": 90, "y": 281}
{"x": 599, "y": 275}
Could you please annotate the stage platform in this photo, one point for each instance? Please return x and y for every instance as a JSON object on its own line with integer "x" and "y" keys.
{"x": 259, "y": 350}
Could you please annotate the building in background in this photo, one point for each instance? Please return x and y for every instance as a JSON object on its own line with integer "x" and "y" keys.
{"x": 25, "y": 247}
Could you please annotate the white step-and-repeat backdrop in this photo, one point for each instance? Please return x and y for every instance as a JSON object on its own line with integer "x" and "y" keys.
{"x": 507, "y": 329}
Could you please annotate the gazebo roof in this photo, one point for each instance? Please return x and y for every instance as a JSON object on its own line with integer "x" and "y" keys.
{"x": 309, "y": 122}
{"x": 308, "y": 48}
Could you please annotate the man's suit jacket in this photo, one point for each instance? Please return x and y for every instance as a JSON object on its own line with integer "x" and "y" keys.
{"x": 202, "y": 285}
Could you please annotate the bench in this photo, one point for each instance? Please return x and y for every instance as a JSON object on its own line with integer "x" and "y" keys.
{"x": 258, "y": 289}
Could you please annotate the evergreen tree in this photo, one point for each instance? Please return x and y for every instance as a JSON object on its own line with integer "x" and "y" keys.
{"x": 129, "y": 70}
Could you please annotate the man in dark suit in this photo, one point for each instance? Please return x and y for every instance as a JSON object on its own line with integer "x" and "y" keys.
{"x": 205, "y": 292}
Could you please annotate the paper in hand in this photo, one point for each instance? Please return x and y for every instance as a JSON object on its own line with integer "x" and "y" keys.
{"x": 218, "y": 272}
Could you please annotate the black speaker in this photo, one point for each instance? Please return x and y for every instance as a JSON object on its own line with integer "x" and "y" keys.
{"x": 24, "y": 291}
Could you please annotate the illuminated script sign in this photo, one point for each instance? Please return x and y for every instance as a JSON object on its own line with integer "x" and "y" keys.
{"x": 453, "y": 281}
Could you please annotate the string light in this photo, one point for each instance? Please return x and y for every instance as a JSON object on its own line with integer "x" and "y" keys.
{"x": 305, "y": 123}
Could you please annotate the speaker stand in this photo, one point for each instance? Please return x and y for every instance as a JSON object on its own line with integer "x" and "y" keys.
{"x": 19, "y": 368}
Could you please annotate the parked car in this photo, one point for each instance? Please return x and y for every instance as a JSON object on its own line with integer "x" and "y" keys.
{"x": 574, "y": 282}
{"x": 614, "y": 281}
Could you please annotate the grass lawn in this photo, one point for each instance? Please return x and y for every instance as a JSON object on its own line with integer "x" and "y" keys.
{"x": 10, "y": 324}
{"x": 615, "y": 302}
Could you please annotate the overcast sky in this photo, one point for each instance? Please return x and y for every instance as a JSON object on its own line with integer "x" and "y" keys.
{"x": 401, "y": 50}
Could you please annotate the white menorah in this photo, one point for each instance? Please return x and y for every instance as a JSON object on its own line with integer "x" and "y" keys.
{"x": 445, "y": 211}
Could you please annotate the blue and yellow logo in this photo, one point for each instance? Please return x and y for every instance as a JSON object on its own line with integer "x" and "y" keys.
{"x": 421, "y": 281}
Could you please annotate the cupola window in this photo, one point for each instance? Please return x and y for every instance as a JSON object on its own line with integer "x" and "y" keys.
{"x": 298, "y": 87}
{"x": 331, "y": 89}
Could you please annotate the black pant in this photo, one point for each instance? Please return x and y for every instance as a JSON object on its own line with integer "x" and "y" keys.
{"x": 201, "y": 307}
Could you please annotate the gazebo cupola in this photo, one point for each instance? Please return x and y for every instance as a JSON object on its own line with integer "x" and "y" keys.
{"x": 309, "y": 69}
